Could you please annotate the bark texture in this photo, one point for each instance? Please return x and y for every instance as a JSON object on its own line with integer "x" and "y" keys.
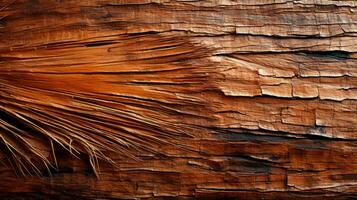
{"x": 158, "y": 99}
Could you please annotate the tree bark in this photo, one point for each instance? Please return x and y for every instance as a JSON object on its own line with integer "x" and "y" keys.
{"x": 210, "y": 99}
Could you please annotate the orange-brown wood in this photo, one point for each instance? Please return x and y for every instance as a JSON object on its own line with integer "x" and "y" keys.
{"x": 136, "y": 99}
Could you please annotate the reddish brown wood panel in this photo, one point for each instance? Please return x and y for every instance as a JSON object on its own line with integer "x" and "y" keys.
{"x": 157, "y": 99}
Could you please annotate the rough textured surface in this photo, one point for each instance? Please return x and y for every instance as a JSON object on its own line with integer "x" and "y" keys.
{"x": 196, "y": 99}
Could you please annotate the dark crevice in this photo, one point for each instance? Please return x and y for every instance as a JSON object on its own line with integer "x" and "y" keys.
{"x": 98, "y": 43}
{"x": 338, "y": 55}
{"x": 269, "y": 136}
{"x": 133, "y": 5}
{"x": 143, "y": 33}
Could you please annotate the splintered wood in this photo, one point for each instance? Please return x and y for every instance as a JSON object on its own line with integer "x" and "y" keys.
{"x": 157, "y": 99}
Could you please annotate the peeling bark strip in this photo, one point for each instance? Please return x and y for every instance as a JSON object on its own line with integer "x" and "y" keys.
{"x": 187, "y": 99}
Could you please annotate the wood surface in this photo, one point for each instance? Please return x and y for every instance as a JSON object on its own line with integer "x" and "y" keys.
{"x": 185, "y": 99}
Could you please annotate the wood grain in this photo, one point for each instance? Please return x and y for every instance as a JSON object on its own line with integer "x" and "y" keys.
{"x": 160, "y": 99}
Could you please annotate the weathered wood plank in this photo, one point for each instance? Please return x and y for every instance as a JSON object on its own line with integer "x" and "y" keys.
{"x": 178, "y": 99}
